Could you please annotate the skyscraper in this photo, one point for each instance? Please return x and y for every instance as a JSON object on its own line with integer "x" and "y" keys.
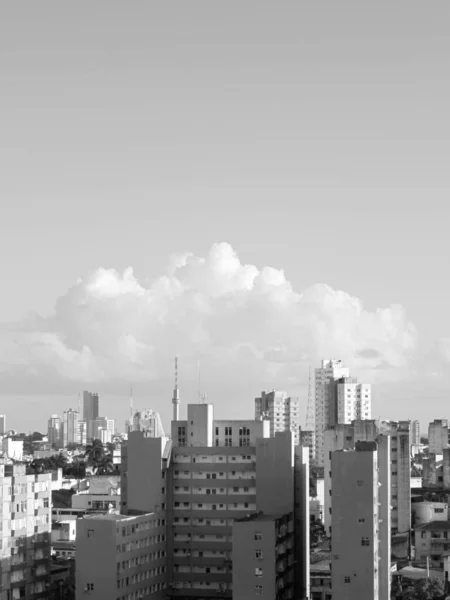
{"x": 281, "y": 411}
{"x": 415, "y": 433}
{"x": 90, "y": 413}
{"x": 54, "y": 431}
{"x": 2, "y": 424}
{"x": 437, "y": 436}
{"x": 70, "y": 427}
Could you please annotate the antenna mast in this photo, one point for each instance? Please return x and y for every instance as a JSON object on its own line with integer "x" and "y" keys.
{"x": 130, "y": 426}
{"x": 176, "y": 394}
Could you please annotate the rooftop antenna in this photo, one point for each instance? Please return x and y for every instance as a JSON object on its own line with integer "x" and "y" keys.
{"x": 176, "y": 394}
{"x": 199, "y": 394}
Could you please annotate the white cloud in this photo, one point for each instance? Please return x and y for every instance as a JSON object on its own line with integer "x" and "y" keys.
{"x": 238, "y": 317}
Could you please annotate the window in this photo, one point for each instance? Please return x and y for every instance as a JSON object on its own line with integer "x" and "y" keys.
{"x": 359, "y": 482}
{"x": 259, "y": 554}
{"x": 258, "y": 572}
{"x": 90, "y": 587}
{"x": 258, "y": 590}
{"x": 347, "y": 579}
{"x": 90, "y": 533}
{"x": 361, "y": 520}
{"x": 258, "y": 536}
{"x": 365, "y": 541}
{"x": 438, "y": 510}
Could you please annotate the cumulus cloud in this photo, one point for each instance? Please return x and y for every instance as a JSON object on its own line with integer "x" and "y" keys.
{"x": 238, "y": 318}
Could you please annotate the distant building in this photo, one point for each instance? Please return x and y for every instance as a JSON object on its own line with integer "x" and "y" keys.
{"x": 82, "y": 428}
{"x": 361, "y": 540}
{"x": 353, "y": 400}
{"x": 25, "y": 512}
{"x": 103, "y": 494}
{"x": 2, "y": 424}
{"x": 432, "y": 542}
{"x": 150, "y": 421}
{"x": 308, "y": 440}
{"x": 54, "y": 431}
{"x": 415, "y": 433}
{"x": 120, "y": 557}
{"x": 71, "y": 427}
{"x": 12, "y": 449}
{"x": 437, "y": 436}
{"x": 90, "y": 413}
{"x": 282, "y": 412}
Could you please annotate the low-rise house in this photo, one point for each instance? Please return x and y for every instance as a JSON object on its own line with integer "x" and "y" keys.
{"x": 432, "y": 542}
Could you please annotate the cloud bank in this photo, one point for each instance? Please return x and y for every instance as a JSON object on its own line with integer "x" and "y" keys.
{"x": 237, "y": 318}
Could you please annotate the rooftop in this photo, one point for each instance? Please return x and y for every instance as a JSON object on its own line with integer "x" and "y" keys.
{"x": 114, "y": 517}
{"x": 434, "y": 525}
{"x": 259, "y": 516}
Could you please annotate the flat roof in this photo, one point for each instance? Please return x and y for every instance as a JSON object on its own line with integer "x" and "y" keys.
{"x": 115, "y": 517}
{"x": 441, "y": 525}
{"x": 261, "y": 517}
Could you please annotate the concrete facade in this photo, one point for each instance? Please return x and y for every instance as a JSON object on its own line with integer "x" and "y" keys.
{"x": 263, "y": 557}
{"x": 282, "y": 411}
{"x": 70, "y": 427}
{"x": 415, "y": 433}
{"x": 344, "y": 437}
{"x": 360, "y": 535}
{"x": 148, "y": 420}
{"x": 12, "y": 449}
{"x": 120, "y": 557}
{"x": 427, "y": 512}
{"x": 25, "y": 534}
{"x": 354, "y": 400}
{"x": 54, "y": 431}
{"x": 90, "y": 413}
{"x": 437, "y": 436}
{"x": 432, "y": 541}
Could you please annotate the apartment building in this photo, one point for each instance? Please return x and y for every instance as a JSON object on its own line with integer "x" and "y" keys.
{"x": 308, "y": 440}
{"x": 325, "y": 400}
{"x": 361, "y": 551}
{"x": 211, "y": 473}
{"x": 354, "y": 400}
{"x": 432, "y": 542}
{"x": 2, "y": 424}
{"x": 90, "y": 413}
{"x": 415, "y": 433}
{"x": 54, "y": 431}
{"x": 25, "y": 533}
{"x": 103, "y": 493}
{"x": 70, "y": 427}
{"x": 263, "y": 557}
{"x": 282, "y": 412}
{"x": 345, "y": 436}
{"x": 148, "y": 420}
{"x": 437, "y": 436}
{"x": 120, "y": 557}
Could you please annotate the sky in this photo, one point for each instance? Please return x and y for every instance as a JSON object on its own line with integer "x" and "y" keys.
{"x": 253, "y": 187}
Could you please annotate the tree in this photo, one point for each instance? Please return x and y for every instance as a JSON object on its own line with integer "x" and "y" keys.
{"x": 95, "y": 453}
{"x": 424, "y": 589}
{"x": 105, "y": 466}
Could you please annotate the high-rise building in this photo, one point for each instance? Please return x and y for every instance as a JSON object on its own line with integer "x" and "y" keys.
{"x": 90, "y": 413}
{"x": 120, "y": 556}
{"x": 148, "y": 420}
{"x": 415, "y": 433}
{"x": 71, "y": 427}
{"x": 325, "y": 400}
{"x": 353, "y": 400}
{"x": 361, "y": 539}
{"x": 308, "y": 440}
{"x": 339, "y": 398}
{"x": 25, "y": 512}
{"x": 437, "y": 436}
{"x": 282, "y": 412}
{"x": 82, "y": 428}
{"x": 208, "y": 475}
{"x": 2, "y": 424}
{"x": 345, "y": 437}
{"x": 54, "y": 431}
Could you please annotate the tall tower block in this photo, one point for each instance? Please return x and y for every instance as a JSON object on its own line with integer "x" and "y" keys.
{"x": 176, "y": 395}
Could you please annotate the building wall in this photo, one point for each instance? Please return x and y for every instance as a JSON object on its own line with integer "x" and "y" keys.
{"x": 12, "y": 448}
{"x": 302, "y": 523}
{"x": 263, "y": 558}
{"x": 432, "y": 543}
{"x": 326, "y": 400}
{"x": 70, "y": 427}
{"x": 415, "y": 433}
{"x": 282, "y": 412}
{"x": 426, "y": 512}
{"x": 275, "y": 474}
{"x": 200, "y": 424}
{"x": 437, "y": 436}
{"x": 54, "y": 431}
{"x": 2, "y": 424}
{"x": 355, "y": 522}
{"x": 25, "y": 514}
{"x": 118, "y": 556}
{"x": 353, "y": 401}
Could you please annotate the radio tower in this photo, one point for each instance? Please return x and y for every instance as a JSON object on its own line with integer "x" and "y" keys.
{"x": 310, "y": 421}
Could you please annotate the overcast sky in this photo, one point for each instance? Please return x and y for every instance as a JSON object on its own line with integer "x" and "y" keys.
{"x": 247, "y": 162}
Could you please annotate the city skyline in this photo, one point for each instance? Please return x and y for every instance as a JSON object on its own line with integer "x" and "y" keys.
{"x": 255, "y": 195}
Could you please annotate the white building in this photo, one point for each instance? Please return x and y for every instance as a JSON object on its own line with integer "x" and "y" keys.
{"x": 282, "y": 412}
{"x": 12, "y": 449}
{"x": 70, "y": 427}
{"x": 326, "y": 400}
{"x": 150, "y": 421}
{"x": 354, "y": 400}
